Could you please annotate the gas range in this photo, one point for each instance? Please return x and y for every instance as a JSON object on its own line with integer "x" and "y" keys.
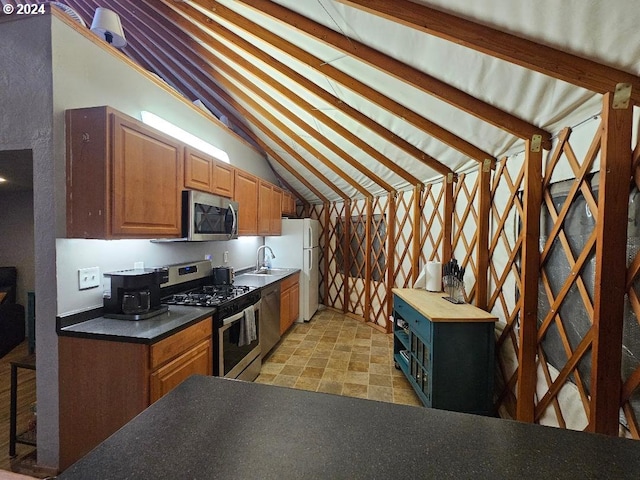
{"x": 209, "y": 296}
{"x": 191, "y": 284}
{"x": 236, "y": 318}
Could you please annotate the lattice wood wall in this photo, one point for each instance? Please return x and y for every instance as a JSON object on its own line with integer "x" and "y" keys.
{"x": 565, "y": 332}
{"x": 416, "y": 233}
{"x": 504, "y": 276}
{"x": 465, "y": 230}
{"x": 630, "y": 397}
{"x": 394, "y": 220}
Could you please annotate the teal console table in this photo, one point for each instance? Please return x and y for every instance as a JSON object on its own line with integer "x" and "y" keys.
{"x": 445, "y": 350}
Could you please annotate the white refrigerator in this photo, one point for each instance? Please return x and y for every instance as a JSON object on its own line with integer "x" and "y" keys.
{"x": 298, "y": 247}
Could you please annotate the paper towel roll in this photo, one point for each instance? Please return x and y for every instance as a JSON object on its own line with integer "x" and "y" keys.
{"x": 421, "y": 281}
{"x": 434, "y": 276}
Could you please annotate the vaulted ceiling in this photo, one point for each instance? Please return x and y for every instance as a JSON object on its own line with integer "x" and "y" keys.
{"x": 352, "y": 98}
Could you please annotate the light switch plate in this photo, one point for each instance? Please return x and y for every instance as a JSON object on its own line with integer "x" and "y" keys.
{"x": 88, "y": 278}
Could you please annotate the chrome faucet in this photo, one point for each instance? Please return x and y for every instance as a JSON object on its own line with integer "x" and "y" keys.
{"x": 262, "y": 247}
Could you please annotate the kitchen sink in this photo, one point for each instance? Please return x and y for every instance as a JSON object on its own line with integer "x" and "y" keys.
{"x": 269, "y": 272}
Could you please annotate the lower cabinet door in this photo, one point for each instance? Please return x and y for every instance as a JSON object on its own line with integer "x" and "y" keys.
{"x": 198, "y": 360}
{"x": 285, "y": 310}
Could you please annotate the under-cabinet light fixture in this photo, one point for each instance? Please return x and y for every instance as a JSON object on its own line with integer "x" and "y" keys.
{"x": 176, "y": 132}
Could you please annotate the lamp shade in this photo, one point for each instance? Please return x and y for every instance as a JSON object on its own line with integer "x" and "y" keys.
{"x": 106, "y": 24}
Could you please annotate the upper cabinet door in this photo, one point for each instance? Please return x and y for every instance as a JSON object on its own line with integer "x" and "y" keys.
{"x": 147, "y": 181}
{"x": 264, "y": 208}
{"x": 223, "y": 179}
{"x": 276, "y": 211}
{"x": 246, "y": 194}
{"x": 206, "y": 173}
{"x": 198, "y": 170}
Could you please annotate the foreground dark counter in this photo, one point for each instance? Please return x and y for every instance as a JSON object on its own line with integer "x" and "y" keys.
{"x": 146, "y": 331}
{"x": 218, "y": 428}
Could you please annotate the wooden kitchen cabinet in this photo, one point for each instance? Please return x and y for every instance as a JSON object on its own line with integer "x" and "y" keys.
{"x": 269, "y": 209}
{"x": 446, "y": 351}
{"x": 276, "y": 212}
{"x": 288, "y": 204}
{"x": 104, "y": 384}
{"x": 289, "y": 302}
{"x": 246, "y": 194}
{"x": 124, "y": 179}
{"x": 265, "y": 191}
{"x": 195, "y": 360}
{"x": 205, "y": 173}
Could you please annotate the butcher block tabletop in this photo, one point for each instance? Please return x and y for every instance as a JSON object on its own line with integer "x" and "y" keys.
{"x": 437, "y": 309}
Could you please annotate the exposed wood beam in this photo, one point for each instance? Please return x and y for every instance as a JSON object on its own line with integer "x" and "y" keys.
{"x": 550, "y": 61}
{"x": 482, "y": 244}
{"x": 447, "y": 220}
{"x": 529, "y": 274}
{"x": 121, "y": 55}
{"x": 316, "y": 63}
{"x": 158, "y": 40}
{"x": 223, "y": 66}
{"x": 287, "y": 71}
{"x": 610, "y": 284}
{"x": 197, "y": 50}
{"x": 298, "y": 100}
{"x": 257, "y": 107}
{"x": 391, "y": 252}
{"x": 403, "y": 72}
{"x": 201, "y": 52}
{"x": 416, "y": 229}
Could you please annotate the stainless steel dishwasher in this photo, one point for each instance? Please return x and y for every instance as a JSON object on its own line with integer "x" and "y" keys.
{"x": 269, "y": 318}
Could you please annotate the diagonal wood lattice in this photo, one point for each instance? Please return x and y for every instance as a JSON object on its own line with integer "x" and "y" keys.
{"x": 334, "y": 281}
{"x": 318, "y": 212}
{"x": 630, "y": 397}
{"x": 564, "y": 323}
{"x": 379, "y": 290}
{"x": 358, "y": 255}
{"x": 432, "y": 221}
{"x": 465, "y": 233}
{"x": 504, "y": 277}
{"x": 404, "y": 237}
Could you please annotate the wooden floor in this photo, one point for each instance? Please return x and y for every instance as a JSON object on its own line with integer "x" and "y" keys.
{"x": 26, "y": 398}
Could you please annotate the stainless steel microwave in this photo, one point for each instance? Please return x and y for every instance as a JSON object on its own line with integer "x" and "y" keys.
{"x": 208, "y": 217}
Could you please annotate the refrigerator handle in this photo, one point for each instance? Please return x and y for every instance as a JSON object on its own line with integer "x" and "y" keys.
{"x": 310, "y": 239}
{"x": 310, "y": 262}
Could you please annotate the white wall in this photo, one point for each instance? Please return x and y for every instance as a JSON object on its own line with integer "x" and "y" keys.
{"x": 112, "y": 255}
{"x": 16, "y": 239}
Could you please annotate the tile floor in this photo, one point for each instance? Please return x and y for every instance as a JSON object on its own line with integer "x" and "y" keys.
{"x": 336, "y": 354}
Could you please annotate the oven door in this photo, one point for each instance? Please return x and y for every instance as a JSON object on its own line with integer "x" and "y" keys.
{"x": 235, "y": 360}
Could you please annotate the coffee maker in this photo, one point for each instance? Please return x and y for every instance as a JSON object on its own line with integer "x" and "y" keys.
{"x": 135, "y": 294}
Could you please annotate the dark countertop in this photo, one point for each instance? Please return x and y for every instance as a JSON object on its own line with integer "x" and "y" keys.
{"x": 210, "y": 427}
{"x": 156, "y": 328}
{"x": 146, "y": 331}
{"x": 261, "y": 281}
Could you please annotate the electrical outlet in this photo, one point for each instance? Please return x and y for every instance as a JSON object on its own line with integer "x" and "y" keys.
{"x": 138, "y": 265}
{"x": 226, "y": 257}
{"x": 88, "y": 278}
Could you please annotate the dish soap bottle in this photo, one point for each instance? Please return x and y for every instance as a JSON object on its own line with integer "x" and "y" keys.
{"x": 267, "y": 260}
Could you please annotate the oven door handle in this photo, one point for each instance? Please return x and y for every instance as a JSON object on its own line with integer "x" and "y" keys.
{"x": 239, "y": 315}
